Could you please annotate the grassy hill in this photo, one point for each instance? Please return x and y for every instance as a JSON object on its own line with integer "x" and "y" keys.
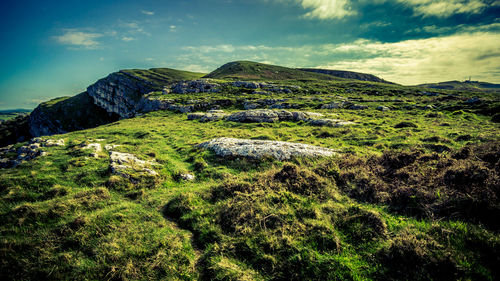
{"x": 412, "y": 191}
{"x": 247, "y": 70}
{"x": 11, "y": 113}
{"x": 162, "y": 76}
{"x": 348, "y": 75}
{"x": 464, "y": 86}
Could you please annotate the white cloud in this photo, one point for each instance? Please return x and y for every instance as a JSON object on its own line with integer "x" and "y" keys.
{"x": 327, "y": 9}
{"x": 80, "y": 39}
{"x": 226, "y": 48}
{"x": 407, "y": 62}
{"x": 149, "y": 13}
{"x": 127, "y": 39}
{"x": 338, "y": 9}
{"x": 444, "y": 9}
{"x": 426, "y": 60}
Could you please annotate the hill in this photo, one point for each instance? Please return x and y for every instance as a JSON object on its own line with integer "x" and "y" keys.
{"x": 11, "y": 113}
{"x": 464, "y": 86}
{"x": 347, "y": 75}
{"x": 247, "y": 70}
{"x": 161, "y": 175}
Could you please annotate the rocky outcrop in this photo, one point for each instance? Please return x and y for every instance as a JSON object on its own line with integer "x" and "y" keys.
{"x": 67, "y": 114}
{"x": 120, "y": 93}
{"x": 15, "y": 130}
{"x": 211, "y": 115}
{"x": 260, "y": 116}
{"x": 269, "y": 116}
{"x": 126, "y": 164}
{"x": 11, "y": 156}
{"x": 195, "y": 86}
{"x": 259, "y": 149}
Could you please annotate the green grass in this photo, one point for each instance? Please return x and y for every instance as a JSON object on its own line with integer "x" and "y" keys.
{"x": 65, "y": 219}
{"x": 247, "y": 70}
{"x": 413, "y": 192}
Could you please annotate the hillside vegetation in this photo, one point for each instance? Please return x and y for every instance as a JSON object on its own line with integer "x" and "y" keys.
{"x": 411, "y": 191}
{"x": 464, "y": 86}
{"x": 247, "y": 70}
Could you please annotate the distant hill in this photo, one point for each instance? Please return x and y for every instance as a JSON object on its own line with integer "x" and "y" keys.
{"x": 15, "y": 111}
{"x": 463, "y": 86}
{"x": 247, "y": 70}
{"x": 348, "y": 75}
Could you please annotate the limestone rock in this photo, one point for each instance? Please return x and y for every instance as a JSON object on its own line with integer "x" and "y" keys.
{"x": 383, "y": 108}
{"x": 329, "y": 122}
{"x": 52, "y": 142}
{"x": 258, "y": 149}
{"x": 187, "y": 177}
{"x": 95, "y": 147}
{"x": 195, "y": 86}
{"x": 121, "y": 163}
{"x": 254, "y": 116}
{"x": 206, "y": 117}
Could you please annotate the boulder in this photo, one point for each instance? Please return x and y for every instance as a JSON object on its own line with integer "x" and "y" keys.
{"x": 206, "y": 117}
{"x": 329, "y": 122}
{"x": 254, "y": 116}
{"x": 383, "y": 108}
{"x": 121, "y": 163}
{"x": 259, "y": 149}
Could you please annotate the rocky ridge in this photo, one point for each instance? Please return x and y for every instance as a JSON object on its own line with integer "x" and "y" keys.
{"x": 269, "y": 116}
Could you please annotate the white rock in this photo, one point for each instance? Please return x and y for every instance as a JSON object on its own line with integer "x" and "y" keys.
{"x": 258, "y": 149}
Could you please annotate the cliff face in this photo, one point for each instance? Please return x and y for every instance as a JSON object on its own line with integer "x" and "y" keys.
{"x": 68, "y": 114}
{"x": 120, "y": 93}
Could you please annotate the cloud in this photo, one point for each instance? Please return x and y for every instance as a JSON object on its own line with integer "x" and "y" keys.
{"x": 324, "y": 9}
{"x": 327, "y": 9}
{"x": 226, "y": 48}
{"x": 127, "y": 39}
{"x": 78, "y": 38}
{"x": 338, "y": 9}
{"x": 149, "y": 13}
{"x": 134, "y": 27}
{"x": 425, "y": 60}
{"x": 408, "y": 62}
{"x": 444, "y": 9}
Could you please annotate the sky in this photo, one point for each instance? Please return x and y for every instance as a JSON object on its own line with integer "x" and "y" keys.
{"x": 57, "y": 48}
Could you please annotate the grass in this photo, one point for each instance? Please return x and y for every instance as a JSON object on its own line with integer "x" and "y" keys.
{"x": 412, "y": 194}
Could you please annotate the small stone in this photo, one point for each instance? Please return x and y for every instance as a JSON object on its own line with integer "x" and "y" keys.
{"x": 187, "y": 177}
{"x": 383, "y": 108}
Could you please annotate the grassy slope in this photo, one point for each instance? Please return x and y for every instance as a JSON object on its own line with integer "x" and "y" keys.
{"x": 457, "y": 85}
{"x": 66, "y": 218}
{"x": 10, "y": 114}
{"x": 368, "y": 214}
{"x": 247, "y": 70}
{"x": 162, "y": 76}
{"x": 347, "y": 74}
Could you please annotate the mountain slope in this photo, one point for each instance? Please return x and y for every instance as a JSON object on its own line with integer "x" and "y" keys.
{"x": 247, "y": 70}
{"x": 347, "y": 75}
{"x": 464, "y": 86}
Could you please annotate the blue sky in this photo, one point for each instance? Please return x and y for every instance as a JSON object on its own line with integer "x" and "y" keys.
{"x": 57, "y": 48}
